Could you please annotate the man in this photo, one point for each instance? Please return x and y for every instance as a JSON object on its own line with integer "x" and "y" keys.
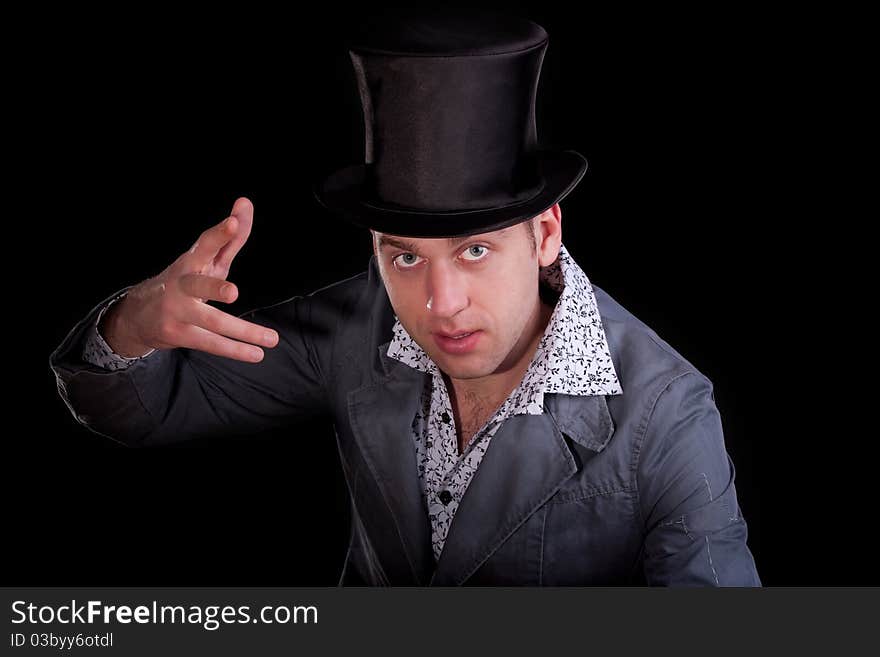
{"x": 500, "y": 419}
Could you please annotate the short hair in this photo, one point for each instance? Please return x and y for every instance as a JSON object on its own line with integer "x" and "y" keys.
{"x": 530, "y": 230}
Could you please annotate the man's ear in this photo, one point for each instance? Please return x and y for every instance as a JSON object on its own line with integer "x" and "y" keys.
{"x": 549, "y": 234}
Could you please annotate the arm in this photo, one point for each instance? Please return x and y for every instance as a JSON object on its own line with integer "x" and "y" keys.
{"x": 177, "y": 394}
{"x": 695, "y": 531}
{"x": 205, "y": 372}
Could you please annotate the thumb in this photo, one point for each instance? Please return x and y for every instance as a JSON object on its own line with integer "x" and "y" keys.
{"x": 243, "y": 210}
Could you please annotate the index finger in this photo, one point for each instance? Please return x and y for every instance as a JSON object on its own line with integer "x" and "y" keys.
{"x": 243, "y": 211}
{"x": 205, "y": 249}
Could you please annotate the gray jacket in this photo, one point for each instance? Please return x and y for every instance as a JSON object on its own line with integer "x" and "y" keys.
{"x": 635, "y": 488}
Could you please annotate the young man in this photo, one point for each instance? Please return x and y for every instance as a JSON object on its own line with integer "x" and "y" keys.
{"x": 481, "y": 341}
{"x": 500, "y": 419}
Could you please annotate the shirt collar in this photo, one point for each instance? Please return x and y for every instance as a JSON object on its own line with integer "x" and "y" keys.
{"x": 573, "y": 355}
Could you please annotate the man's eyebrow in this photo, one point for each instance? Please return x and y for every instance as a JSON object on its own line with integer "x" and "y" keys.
{"x": 399, "y": 243}
{"x": 412, "y": 248}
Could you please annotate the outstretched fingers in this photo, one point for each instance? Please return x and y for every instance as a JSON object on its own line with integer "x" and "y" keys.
{"x": 201, "y": 256}
{"x": 215, "y": 320}
{"x": 243, "y": 211}
{"x": 206, "y": 288}
{"x": 219, "y": 244}
{"x": 199, "y": 339}
{"x": 222, "y": 334}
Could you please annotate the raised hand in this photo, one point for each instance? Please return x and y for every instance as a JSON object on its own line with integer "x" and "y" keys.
{"x": 170, "y": 310}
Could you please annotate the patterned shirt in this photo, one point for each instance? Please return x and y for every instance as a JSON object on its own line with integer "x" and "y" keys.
{"x": 572, "y": 358}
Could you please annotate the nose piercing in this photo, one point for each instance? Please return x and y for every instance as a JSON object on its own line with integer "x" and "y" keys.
{"x": 429, "y": 302}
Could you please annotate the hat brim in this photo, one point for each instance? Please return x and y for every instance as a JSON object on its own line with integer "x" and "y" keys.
{"x": 341, "y": 193}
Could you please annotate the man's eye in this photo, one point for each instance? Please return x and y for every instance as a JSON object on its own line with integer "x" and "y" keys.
{"x": 475, "y": 252}
{"x": 406, "y": 260}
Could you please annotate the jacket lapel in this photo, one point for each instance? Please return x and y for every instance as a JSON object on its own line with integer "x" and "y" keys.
{"x": 528, "y": 460}
{"x": 381, "y": 418}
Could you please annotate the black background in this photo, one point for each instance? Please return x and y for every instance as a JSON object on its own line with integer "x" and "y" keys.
{"x": 150, "y": 127}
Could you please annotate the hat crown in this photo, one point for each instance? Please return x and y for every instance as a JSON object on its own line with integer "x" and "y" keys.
{"x": 449, "y": 110}
{"x": 443, "y": 33}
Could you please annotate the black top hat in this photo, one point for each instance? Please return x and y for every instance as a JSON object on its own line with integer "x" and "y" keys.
{"x": 449, "y": 115}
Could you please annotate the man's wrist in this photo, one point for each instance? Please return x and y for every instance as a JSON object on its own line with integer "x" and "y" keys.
{"x": 111, "y": 329}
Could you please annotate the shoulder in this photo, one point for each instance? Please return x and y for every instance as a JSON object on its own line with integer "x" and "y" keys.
{"x": 332, "y": 303}
{"x": 667, "y": 406}
{"x": 646, "y": 363}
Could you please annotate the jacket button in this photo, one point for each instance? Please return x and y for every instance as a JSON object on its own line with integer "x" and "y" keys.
{"x": 445, "y": 496}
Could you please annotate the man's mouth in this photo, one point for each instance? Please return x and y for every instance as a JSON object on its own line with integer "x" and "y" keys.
{"x": 459, "y": 342}
{"x": 455, "y": 336}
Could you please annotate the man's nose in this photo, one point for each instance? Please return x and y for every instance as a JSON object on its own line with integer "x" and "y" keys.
{"x": 447, "y": 292}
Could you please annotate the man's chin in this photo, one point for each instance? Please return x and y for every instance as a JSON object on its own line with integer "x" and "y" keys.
{"x": 464, "y": 367}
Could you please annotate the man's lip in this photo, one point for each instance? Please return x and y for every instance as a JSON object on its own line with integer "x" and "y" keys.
{"x": 453, "y": 335}
{"x": 458, "y": 346}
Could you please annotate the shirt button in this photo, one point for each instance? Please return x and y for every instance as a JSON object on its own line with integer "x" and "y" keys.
{"x": 445, "y": 497}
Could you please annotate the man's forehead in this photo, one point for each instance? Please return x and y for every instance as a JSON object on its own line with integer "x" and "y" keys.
{"x": 400, "y": 241}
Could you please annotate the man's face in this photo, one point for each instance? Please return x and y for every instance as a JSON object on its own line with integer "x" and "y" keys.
{"x": 485, "y": 285}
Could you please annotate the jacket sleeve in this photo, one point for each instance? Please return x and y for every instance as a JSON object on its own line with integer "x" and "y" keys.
{"x": 695, "y": 533}
{"x": 178, "y": 394}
